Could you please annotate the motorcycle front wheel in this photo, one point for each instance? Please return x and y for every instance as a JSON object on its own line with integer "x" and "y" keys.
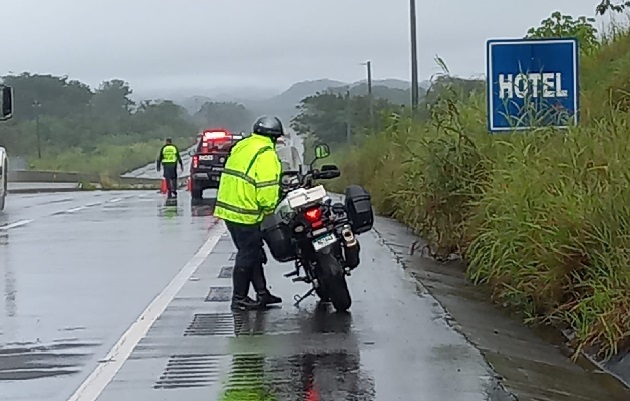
{"x": 333, "y": 285}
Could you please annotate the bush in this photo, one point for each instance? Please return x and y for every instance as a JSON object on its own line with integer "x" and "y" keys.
{"x": 542, "y": 217}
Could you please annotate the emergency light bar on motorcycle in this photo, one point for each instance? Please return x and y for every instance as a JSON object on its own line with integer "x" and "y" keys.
{"x": 212, "y": 135}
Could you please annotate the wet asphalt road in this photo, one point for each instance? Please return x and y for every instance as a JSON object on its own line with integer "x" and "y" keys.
{"x": 79, "y": 269}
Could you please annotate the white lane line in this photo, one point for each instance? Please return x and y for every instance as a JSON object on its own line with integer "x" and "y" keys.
{"x": 74, "y": 209}
{"x": 15, "y": 224}
{"x": 115, "y": 200}
{"x": 96, "y": 382}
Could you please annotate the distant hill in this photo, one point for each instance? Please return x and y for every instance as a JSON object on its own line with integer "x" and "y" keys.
{"x": 284, "y": 104}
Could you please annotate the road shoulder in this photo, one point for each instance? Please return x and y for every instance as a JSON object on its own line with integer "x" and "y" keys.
{"x": 529, "y": 365}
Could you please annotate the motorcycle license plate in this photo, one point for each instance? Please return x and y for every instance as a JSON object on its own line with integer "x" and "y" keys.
{"x": 324, "y": 241}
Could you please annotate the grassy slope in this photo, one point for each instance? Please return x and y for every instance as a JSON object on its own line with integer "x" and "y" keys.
{"x": 542, "y": 217}
{"x": 109, "y": 160}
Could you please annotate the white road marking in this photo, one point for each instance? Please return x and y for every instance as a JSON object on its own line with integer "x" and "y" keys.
{"x": 74, "y": 209}
{"x": 115, "y": 200}
{"x": 100, "y": 377}
{"x": 15, "y": 224}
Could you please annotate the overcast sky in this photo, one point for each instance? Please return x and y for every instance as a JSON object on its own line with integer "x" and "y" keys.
{"x": 268, "y": 43}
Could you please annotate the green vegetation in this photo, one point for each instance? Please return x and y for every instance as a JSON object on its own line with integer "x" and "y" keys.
{"x": 327, "y": 116}
{"x": 541, "y": 217}
{"x": 99, "y": 131}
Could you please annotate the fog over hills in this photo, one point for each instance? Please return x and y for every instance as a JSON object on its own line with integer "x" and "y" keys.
{"x": 269, "y": 101}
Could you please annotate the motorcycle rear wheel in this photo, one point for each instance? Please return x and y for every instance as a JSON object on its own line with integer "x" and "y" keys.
{"x": 333, "y": 285}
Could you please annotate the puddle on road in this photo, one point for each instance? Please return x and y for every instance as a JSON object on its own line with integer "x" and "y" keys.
{"x": 316, "y": 375}
{"x": 29, "y": 361}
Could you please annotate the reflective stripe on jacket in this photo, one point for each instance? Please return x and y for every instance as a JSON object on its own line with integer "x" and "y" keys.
{"x": 169, "y": 154}
{"x": 249, "y": 188}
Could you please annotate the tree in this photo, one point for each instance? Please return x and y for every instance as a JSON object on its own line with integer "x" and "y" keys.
{"x": 47, "y": 95}
{"x": 608, "y": 5}
{"x": 112, "y": 99}
{"x": 86, "y": 130}
{"x": 229, "y": 115}
{"x": 563, "y": 26}
{"x": 327, "y": 115}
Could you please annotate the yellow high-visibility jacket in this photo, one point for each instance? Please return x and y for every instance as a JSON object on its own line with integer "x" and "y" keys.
{"x": 249, "y": 188}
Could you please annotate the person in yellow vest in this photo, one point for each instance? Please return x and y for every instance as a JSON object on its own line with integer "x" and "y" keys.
{"x": 168, "y": 158}
{"x": 249, "y": 190}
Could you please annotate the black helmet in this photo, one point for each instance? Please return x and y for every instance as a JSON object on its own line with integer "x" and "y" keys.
{"x": 268, "y": 126}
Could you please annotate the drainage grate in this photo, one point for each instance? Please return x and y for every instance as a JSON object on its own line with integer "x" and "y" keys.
{"x": 212, "y": 324}
{"x": 219, "y": 294}
{"x": 188, "y": 371}
{"x": 226, "y": 272}
{"x": 233, "y": 256}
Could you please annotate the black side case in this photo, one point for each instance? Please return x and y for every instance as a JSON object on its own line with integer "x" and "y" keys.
{"x": 277, "y": 236}
{"x": 358, "y": 204}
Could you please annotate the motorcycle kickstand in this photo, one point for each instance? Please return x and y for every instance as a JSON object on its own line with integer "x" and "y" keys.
{"x": 299, "y": 299}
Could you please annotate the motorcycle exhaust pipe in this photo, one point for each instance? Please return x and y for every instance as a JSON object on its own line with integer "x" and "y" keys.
{"x": 351, "y": 248}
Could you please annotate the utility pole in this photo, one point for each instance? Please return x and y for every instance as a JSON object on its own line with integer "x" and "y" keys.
{"x": 414, "y": 56}
{"x": 370, "y": 97}
{"x": 348, "y": 118}
{"x": 36, "y": 106}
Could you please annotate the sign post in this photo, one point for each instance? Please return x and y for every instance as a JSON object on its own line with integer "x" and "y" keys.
{"x": 532, "y": 83}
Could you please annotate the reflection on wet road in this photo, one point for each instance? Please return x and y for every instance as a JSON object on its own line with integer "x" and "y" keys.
{"x": 78, "y": 275}
{"x": 76, "y": 270}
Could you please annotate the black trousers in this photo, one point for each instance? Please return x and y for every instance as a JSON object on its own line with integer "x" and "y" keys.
{"x": 170, "y": 174}
{"x": 250, "y": 257}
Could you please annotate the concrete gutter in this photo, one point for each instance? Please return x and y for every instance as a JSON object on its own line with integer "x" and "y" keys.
{"x": 533, "y": 363}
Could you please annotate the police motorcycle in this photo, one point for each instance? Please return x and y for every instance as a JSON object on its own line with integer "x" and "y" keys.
{"x": 317, "y": 234}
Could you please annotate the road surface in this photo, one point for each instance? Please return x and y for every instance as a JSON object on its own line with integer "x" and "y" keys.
{"x": 78, "y": 270}
{"x": 111, "y": 296}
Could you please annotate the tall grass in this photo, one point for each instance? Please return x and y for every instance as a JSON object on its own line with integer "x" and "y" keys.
{"x": 107, "y": 159}
{"x": 542, "y": 217}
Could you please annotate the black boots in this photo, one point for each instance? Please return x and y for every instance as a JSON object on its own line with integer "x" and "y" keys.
{"x": 240, "y": 288}
{"x": 263, "y": 296}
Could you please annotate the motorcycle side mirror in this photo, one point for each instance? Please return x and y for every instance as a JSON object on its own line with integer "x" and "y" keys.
{"x": 322, "y": 151}
{"x": 6, "y": 102}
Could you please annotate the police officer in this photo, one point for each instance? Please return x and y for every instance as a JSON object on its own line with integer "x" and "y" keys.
{"x": 249, "y": 190}
{"x": 168, "y": 158}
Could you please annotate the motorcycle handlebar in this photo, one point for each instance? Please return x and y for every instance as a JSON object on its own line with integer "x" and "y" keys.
{"x": 328, "y": 173}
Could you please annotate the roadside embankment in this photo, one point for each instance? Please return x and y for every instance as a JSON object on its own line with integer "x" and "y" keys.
{"x": 541, "y": 218}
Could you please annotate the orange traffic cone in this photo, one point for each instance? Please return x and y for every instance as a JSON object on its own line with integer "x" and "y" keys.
{"x": 163, "y": 186}
{"x": 188, "y": 184}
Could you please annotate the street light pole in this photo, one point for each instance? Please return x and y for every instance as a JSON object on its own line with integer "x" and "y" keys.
{"x": 414, "y": 56}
